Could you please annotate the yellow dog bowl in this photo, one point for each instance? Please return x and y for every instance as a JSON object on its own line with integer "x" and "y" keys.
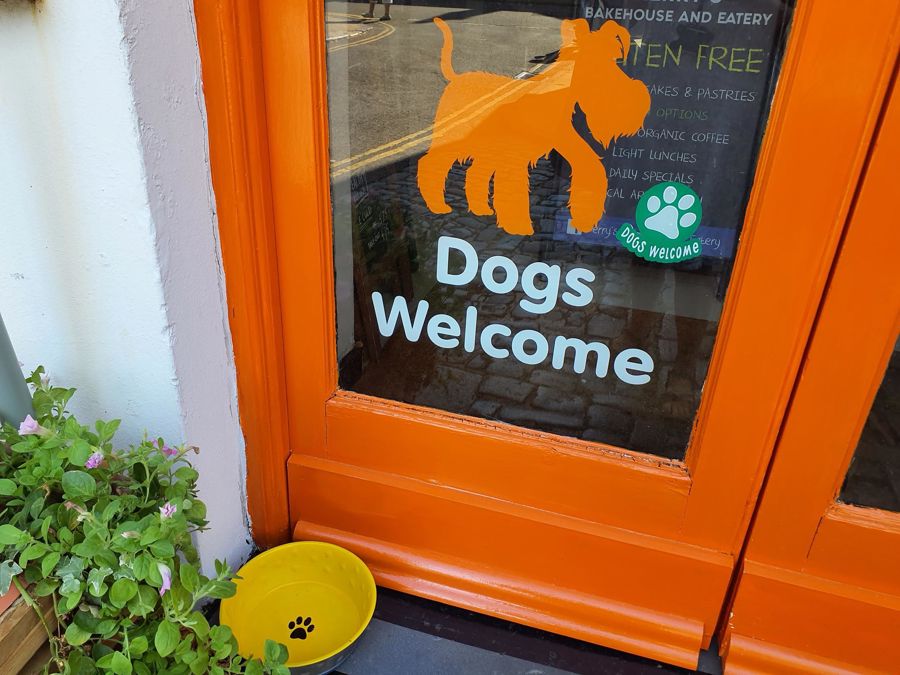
{"x": 313, "y": 597}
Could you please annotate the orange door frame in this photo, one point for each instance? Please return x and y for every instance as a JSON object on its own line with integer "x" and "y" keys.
{"x": 229, "y": 39}
{"x": 820, "y": 586}
{"x": 453, "y": 522}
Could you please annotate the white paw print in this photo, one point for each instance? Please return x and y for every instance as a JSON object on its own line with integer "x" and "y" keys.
{"x": 667, "y": 219}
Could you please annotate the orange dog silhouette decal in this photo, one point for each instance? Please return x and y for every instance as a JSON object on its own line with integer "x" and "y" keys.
{"x": 504, "y": 126}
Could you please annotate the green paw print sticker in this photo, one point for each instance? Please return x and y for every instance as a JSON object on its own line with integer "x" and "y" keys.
{"x": 666, "y": 216}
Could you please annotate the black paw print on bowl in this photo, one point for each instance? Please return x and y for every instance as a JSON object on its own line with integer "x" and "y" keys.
{"x": 301, "y": 627}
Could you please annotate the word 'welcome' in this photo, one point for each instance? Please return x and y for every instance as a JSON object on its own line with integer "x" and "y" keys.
{"x": 541, "y": 284}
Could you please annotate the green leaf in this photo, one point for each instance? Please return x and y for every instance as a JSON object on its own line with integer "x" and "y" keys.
{"x": 200, "y": 665}
{"x": 70, "y": 585}
{"x": 8, "y": 570}
{"x": 106, "y": 430}
{"x": 108, "y": 628}
{"x": 79, "y": 452}
{"x": 180, "y": 599}
{"x": 154, "y": 576}
{"x": 78, "y": 484}
{"x": 197, "y": 511}
{"x": 140, "y": 567}
{"x": 86, "y": 621}
{"x": 75, "y": 635}
{"x": 220, "y": 635}
{"x": 275, "y": 652}
{"x": 12, "y": 535}
{"x": 72, "y": 566}
{"x": 49, "y": 562}
{"x": 45, "y": 587}
{"x": 106, "y": 557}
{"x": 72, "y": 600}
{"x": 184, "y": 647}
{"x": 90, "y": 547}
{"x": 221, "y": 589}
{"x": 190, "y": 579}
{"x": 150, "y": 535}
{"x": 7, "y": 487}
{"x": 124, "y": 573}
{"x": 122, "y": 591}
{"x": 144, "y": 601}
{"x": 198, "y": 623}
{"x": 95, "y": 580}
{"x": 37, "y": 506}
{"x": 166, "y": 639}
{"x": 162, "y": 549}
{"x": 223, "y": 652}
{"x": 32, "y": 552}
{"x": 65, "y": 536}
{"x": 71, "y": 428}
{"x": 116, "y": 662}
{"x": 186, "y": 474}
{"x": 99, "y": 650}
{"x": 31, "y": 574}
{"x": 254, "y": 667}
{"x": 111, "y": 509}
{"x": 138, "y": 645}
{"x": 80, "y": 664}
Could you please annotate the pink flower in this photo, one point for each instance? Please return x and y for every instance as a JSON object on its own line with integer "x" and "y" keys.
{"x": 166, "y": 575}
{"x": 29, "y": 426}
{"x": 45, "y": 380}
{"x": 94, "y": 460}
{"x": 167, "y": 510}
{"x": 169, "y": 451}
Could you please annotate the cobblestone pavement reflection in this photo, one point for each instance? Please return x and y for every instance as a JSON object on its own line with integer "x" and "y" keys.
{"x": 654, "y": 418}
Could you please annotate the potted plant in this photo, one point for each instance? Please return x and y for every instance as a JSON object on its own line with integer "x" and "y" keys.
{"x": 106, "y": 535}
{"x": 15, "y": 404}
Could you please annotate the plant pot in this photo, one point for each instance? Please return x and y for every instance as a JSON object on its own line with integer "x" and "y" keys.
{"x": 22, "y": 635}
{"x": 9, "y": 598}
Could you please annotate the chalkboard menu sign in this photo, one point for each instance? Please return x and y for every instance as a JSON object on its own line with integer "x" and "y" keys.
{"x": 537, "y": 205}
{"x": 710, "y": 69}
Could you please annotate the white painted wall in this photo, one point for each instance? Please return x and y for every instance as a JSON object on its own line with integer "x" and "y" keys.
{"x": 110, "y": 270}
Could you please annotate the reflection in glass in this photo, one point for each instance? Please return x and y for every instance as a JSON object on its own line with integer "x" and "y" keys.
{"x": 874, "y": 475}
{"x": 482, "y": 166}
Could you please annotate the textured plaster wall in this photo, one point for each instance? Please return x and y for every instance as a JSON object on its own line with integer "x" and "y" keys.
{"x": 109, "y": 265}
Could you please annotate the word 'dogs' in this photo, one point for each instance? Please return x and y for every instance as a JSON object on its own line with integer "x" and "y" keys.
{"x": 543, "y": 285}
{"x": 539, "y": 300}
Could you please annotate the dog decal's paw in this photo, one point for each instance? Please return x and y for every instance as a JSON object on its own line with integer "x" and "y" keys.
{"x": 301, "y": 628}
{"x": 672, "y": 213}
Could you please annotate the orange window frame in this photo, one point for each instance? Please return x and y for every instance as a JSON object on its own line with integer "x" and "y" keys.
{"x": 810, "y": 555}
{"x": 264, "y": 82}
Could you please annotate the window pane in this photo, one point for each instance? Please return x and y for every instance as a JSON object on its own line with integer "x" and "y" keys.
{"x": 537, "y": 205}
{"x": 874, "y": 475}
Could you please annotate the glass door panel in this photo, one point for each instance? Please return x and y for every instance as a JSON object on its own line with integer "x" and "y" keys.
{"x": 537, "y": 209}
{"x": 874, "y": 475}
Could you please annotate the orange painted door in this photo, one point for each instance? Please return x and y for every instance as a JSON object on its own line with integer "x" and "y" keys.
{"x": 519, "y": 297}
{"x": 820, "y": 589}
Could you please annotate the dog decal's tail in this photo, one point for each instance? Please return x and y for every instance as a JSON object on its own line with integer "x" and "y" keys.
{"x": 446, "y": 50}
